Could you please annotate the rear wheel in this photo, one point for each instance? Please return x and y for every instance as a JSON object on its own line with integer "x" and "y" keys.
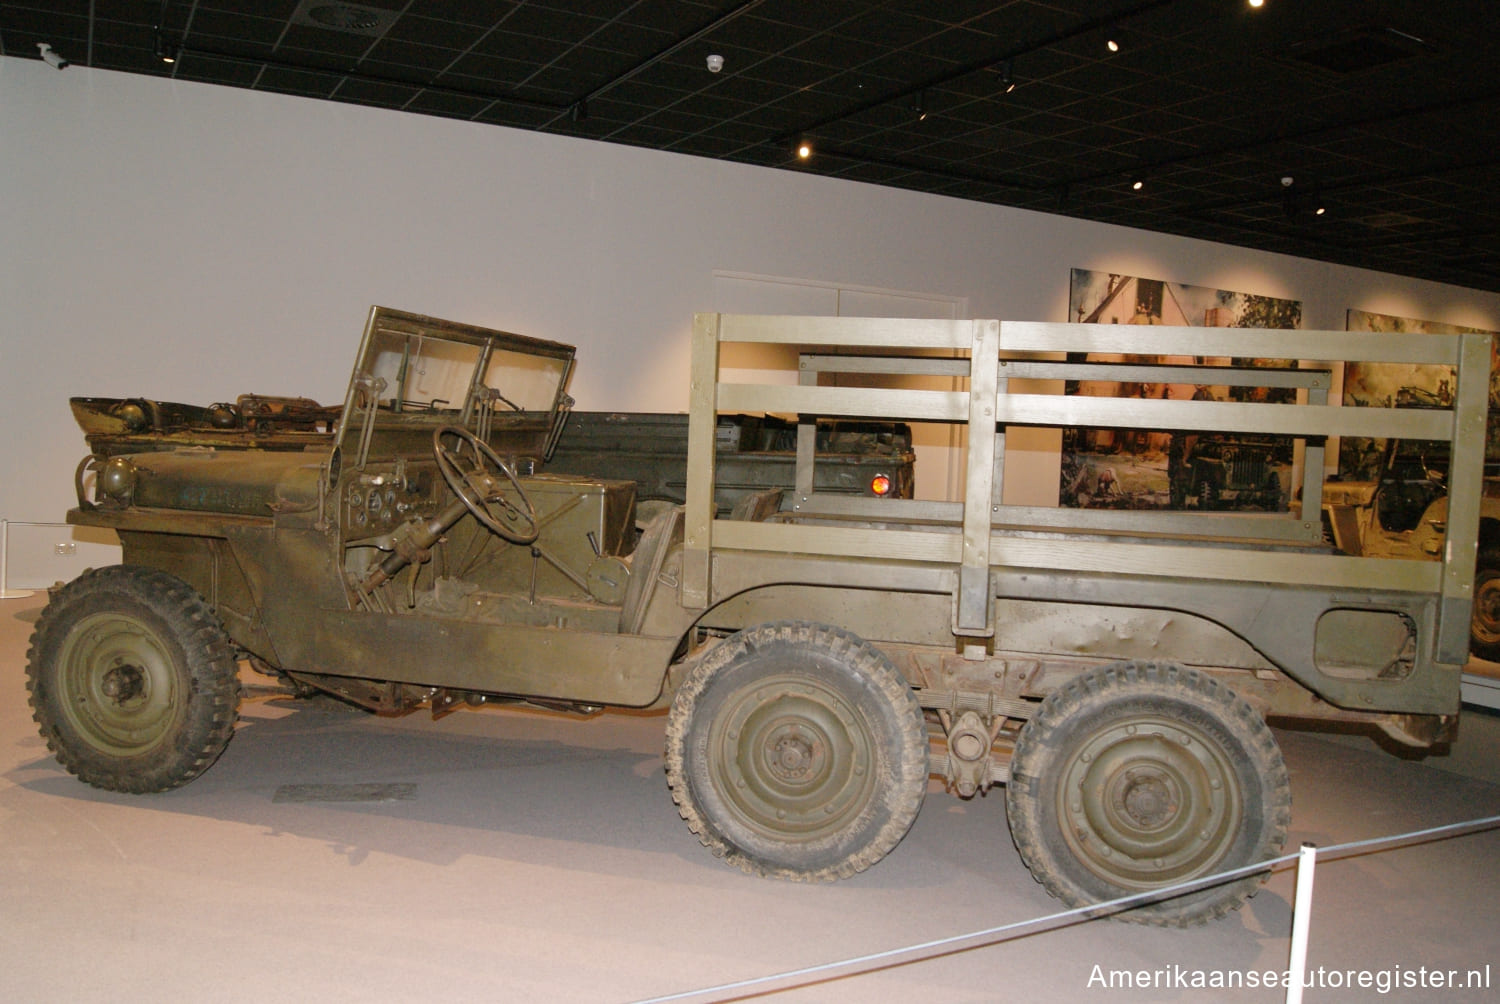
{"x": 1138, "y": 776}
{"x": 798, "y": 751}
{"x": 1484, "y": 628}
{"x": 132, "y": 680}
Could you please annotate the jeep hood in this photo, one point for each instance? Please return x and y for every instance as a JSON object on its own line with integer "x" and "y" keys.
{"x": 240, "y": 482}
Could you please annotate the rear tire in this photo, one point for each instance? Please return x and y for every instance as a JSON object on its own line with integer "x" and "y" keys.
{"x": 1484, "y": 628}
{"x": 797, "y": 751}
{"x": 1142, "y": 775}
{"x": 132, "y": 680}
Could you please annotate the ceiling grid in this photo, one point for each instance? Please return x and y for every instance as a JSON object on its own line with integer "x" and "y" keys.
{"x": 1383, "y": 113}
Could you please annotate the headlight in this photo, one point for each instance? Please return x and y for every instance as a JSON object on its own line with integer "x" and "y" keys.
{"x": 133, "y": 415}
{"x": 117, "y": 479}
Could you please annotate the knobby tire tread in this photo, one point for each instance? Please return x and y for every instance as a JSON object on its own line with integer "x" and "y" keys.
{"x": 1125, "y": 680}
{"x": 213, "y": 685}
{"x": 909, "y": 774}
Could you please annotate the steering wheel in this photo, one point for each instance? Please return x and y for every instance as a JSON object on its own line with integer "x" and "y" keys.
{"x": 479, "y": 491}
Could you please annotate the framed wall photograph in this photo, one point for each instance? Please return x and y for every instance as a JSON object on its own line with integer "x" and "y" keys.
{"x": 1409, "y": 386}
{"x": 1180, "y": 469}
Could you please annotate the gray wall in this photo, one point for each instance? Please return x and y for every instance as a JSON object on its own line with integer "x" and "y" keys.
{"x": 191, "y": 242}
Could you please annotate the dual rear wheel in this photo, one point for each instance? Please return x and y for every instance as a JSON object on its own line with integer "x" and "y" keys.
{"x": 798, "y": 751}
{"x": 1141, "y": 775}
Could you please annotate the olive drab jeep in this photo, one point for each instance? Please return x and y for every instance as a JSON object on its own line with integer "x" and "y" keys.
{"x": 820, "y": 655}
{"x": 1403, "y": 513}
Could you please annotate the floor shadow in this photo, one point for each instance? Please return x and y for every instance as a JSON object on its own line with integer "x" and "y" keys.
{"x": 466, "y": 780}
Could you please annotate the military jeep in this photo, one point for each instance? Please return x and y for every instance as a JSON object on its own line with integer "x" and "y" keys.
{"x": 1403, "y": 514}
{"x": 1218, "y": 471}
{"x": 820, "y": 654}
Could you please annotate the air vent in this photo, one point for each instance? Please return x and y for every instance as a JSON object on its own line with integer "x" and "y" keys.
{"x": 353, "y": 19}
{"x": 1358, "y": 50}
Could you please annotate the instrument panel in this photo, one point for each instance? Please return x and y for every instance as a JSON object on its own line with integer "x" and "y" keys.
{"x": 376, "y": 502}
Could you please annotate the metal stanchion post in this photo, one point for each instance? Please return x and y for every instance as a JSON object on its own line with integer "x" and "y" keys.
{"x": 1301, "y": 921}
{"x": 6, "y": 593}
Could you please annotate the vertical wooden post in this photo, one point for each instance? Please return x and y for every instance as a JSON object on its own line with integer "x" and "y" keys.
{"x": 1471, "y": 400}
{"x": 703, "y": 415}
{"x": 971, "y": 602}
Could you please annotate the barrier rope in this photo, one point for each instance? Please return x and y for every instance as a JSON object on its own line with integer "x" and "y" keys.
{"x": 1006, "y": 932}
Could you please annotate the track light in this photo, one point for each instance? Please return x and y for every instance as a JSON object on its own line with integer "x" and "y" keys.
{"x": 1008, "y": 75}
{"x": 580, "y": 110}
{"x": 51, "y": 58}
{"x": 919, "y": 105}
{"x": 166, "y": 49}
{"x": 1112, "y": 41}
{"x": 1138, "y": 184}
{"x": 1297, "y": 199}
{"x": 804, "y": 149}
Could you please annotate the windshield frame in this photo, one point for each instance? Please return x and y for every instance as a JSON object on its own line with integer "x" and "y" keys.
{"x": 484, "y": 343}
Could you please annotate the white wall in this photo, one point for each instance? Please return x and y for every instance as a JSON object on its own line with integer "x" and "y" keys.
{"x": 191, "y": 242}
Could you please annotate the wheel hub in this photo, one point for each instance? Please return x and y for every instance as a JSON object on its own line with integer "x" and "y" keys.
{"x": 790, "y": 760}
{"x": 1148, "y": 799}
{"x": 1487, "y": 608}
{"x": 123, "y": 683}
{"x": 117, "y": 684}
{"x": 792, "y": 755}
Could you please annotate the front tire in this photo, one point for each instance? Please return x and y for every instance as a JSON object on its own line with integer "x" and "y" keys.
{"x": 797, "y": 751}
{"x": 132, "y": 680}
{"x": 1137, "y": 776}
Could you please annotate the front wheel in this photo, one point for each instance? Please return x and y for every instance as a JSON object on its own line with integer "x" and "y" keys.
{"x": 1138, "y": 776}
{"x": 797, "y": 751}
{"x": 132, "y": 680}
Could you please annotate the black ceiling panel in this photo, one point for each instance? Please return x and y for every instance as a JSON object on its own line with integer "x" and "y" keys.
{"x": 1384, "y": 112}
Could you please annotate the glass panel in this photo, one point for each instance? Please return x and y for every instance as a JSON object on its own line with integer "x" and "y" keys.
{"x": 524, "y": 382}
{"x": 423, "y": 373}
